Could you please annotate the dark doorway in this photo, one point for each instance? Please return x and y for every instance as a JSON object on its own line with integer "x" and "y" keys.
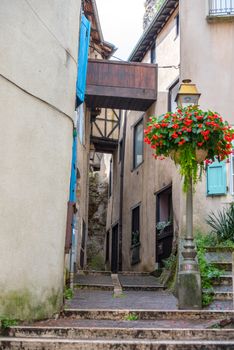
{"x": 107, "y": 246}
{"x": 114, "y": 248}
{"x": 164, "y": 224}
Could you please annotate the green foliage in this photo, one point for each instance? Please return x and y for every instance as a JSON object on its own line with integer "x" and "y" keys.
{"x": 170, "y": 263}
{"x": 222, "y": 224}
{"x": 159, "y": 4}
{"x": 131, "y": 317}
{"x": 97, "y": 263}
{"x": 207, "y": 270}
{"x": 68, "y": 293}
{"x": 7, "y": 322}
{"x": 207, "y": 299}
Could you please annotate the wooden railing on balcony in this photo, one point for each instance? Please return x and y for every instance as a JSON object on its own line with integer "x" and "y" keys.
{"x": 121, "y": 85}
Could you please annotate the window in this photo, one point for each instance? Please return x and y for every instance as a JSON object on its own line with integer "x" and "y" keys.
{"x": 153, "y": 54}
{"x": 216, "y": 179}
{"x": 232, "y": 169}
{"x": 173, "y": 90}
{"x": 120, "y": 151}
{"x": 138, "y": 144}
{"x": 110, "y": 179}
{"x": 221, "y": 7}
{"x": 135, "y": 236}
{"x": 177, "y": 21}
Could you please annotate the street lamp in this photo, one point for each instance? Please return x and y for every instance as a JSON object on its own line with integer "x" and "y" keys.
{"x": 189, "y": 279}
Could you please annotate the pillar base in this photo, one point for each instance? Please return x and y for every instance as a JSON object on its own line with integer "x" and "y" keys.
{"x": 189, "y": 290}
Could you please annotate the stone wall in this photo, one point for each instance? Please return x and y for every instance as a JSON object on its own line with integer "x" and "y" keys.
{"x": 98, "y": 197}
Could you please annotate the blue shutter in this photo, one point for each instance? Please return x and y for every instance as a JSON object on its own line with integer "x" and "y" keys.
{"x": 82, "y": 59}
{"x": 216, "y": 178}
{"x": 72, "y": 197}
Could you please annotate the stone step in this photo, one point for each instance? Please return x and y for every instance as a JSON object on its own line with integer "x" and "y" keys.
{"x": 109, "y": 314}
{"x": 140, "y": 282}
{"x": 120, "y": 344}
{"x": 142, "y": 287}
{"x": 94, "y": 287}
{"x": 223, "y": 265}
{"x": 123, "y": 331}
{"x": 223, "y": 295}
{"x": 225, "y": 280}
{"x": 219, "y": 249}
{"x": 93, "y": 273}
{"x": 93, "y": 281}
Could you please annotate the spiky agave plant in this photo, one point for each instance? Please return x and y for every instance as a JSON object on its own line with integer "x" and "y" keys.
{"x": 222, "y": 223}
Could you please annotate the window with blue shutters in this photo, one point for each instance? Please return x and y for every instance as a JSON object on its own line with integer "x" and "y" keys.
{"x": 232, "y": 169}
{"x": 216, "y": 179}
{"x": 82, "y": 59}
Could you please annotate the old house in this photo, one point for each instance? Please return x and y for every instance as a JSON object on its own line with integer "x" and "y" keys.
{"x": 38, "y": 73}
{"x": 147, "y": 193}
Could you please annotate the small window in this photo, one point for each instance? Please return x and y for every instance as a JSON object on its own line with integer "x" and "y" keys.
{"x": 177, "y": 20}
{"x": 232, "y": 170}
{"x": 153, "y": 54}
{"x": 221, "y": 7}
{"x": 138, "y": 144}
{"x": 135, "y": 235}
{"x": 173, "y": 90}
{"x": 110, "y": 179}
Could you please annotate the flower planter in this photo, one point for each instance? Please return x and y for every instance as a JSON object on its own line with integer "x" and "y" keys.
{"x": 201, "y": 155}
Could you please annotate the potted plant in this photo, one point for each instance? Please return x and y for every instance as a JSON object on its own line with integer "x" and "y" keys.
{"x": 191, "y": 137}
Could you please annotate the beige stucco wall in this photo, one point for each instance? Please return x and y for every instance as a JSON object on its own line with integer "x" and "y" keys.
{"x": 141, "y": 183}
{"x": 207, "y": 54}
{"x": 38, "y": 67}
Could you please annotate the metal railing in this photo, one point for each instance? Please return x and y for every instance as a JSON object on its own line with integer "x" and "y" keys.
{"x": 221, "y": 7}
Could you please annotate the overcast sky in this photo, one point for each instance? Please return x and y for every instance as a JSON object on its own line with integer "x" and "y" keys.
{"x": 122, "y": 23}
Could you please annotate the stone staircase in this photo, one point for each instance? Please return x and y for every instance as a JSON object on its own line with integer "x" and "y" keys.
{"x": 223, "y": 286}
{"x": 113, "y": 329}
{"x": 139, "y": 318}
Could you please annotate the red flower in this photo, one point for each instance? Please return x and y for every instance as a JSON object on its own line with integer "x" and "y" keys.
{"x": 181, "y": 142}
{"x": 188, "y": 122}
{"x": 199, "y": 117}
{"x": 174, "y": 135}
{"x": 200, "y": 144}
{"x": 175, "y": 126}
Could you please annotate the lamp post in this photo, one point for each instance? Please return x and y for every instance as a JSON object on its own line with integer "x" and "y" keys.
{"x": 189, "y": 280}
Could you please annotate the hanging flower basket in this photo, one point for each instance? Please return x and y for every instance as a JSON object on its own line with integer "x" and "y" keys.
{"x": 190, "y": 136}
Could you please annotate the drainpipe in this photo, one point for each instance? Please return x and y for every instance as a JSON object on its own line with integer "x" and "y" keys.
{"x": 72, "y": 199}
{"x": 121, "y": 190}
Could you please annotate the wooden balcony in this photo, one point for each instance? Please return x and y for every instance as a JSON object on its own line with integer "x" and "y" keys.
{"x": 121, "y": 85}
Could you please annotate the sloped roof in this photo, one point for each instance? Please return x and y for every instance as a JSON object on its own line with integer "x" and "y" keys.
{"x": 155, "y": 27}
{"x": 91, "y": 12}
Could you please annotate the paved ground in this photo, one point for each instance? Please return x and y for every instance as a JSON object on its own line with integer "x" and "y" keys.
{"x": 88, "y": 299}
